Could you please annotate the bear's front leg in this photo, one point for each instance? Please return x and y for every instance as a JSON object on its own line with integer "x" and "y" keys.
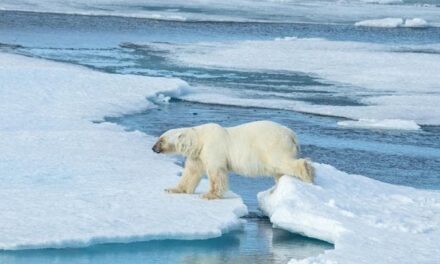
{"x": 192, "y": 174}
{"x": 177, "y": 189}
{"x": 218, "y": 184}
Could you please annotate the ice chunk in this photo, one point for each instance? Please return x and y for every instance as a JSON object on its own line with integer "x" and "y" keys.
{"x": 384, "y": 22}
{"x": 393, "y": 23}
{"x": 69, "y": 182}
{"x": 367, "y": 220}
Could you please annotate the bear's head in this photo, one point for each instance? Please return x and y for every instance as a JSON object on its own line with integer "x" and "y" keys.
{"x": 181, "y": 141}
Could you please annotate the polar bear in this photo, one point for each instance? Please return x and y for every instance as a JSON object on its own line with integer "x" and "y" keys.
{"x": 261, "y": 148}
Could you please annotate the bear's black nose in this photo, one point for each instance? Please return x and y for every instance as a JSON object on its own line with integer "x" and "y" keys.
{"x": 156, "y": 148}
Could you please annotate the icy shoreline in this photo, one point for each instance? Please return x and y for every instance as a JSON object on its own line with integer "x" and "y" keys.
{"x": 69, "y": 182}
{"x": 368, "y": 221}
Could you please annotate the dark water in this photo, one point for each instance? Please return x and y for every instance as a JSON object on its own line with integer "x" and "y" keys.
{"x": 47, "y": 30}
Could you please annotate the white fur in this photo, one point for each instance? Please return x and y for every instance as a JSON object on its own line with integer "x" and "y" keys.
{"x": 261, "y": 148}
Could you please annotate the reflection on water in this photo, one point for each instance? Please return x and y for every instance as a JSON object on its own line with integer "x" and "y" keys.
{"x": 257, "y": 242}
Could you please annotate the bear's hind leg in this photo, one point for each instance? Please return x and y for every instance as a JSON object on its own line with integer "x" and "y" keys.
{"x": 218, "y": 182}
{"x": 300, "y": 168}
{"x": 192, "y": 174}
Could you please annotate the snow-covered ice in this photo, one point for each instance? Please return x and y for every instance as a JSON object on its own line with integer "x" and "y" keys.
{"x": 395, "y": 82}
{"x": 368, "y": 221}
{"x": 69, "y": 182}
{"x": 381, "y": 124}
{"x": 391, "y": 22}
{"x": 371, "y": 66}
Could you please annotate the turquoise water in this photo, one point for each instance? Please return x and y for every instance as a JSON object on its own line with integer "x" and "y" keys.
{"x": 127, "y": 45}
{"x": 257, "y": 242}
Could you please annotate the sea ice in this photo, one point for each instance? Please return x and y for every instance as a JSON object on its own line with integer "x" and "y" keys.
{"x": 67, "y": 181}
{"x": 392, "y": 82}
{"x": 384, "y": 22}
{"x": 368, "y": 221}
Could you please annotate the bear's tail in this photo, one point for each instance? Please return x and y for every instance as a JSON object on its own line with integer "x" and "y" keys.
{"x": 303, "y": 169}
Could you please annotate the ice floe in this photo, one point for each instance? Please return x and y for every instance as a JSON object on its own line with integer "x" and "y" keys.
{"x": 393, "y": 23}
{"x": 368, "y": 221}
{"x": 67, "y": 181}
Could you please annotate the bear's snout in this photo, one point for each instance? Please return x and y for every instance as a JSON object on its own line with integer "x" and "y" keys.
{"x": 157, "y": 147}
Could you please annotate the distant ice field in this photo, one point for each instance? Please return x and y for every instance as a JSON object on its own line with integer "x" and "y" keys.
{"x": 393, "y": 83}
{"x": 375, "y": 73}
{"x": 73, "y": 31}
{"x": 301, "y": 11}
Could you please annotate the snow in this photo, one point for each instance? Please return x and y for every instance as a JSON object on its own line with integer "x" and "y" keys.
{"x": 70, "y": 182}
{"x": 368, "y": 221}
{"x": 381, "y": 124}
{"x": 393, "y": 23}
{"x": 302, "y": 11}
{"x": 393, "y": 82}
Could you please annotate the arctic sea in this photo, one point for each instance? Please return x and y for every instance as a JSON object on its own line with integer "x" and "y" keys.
{"x": 314, "y": 102}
